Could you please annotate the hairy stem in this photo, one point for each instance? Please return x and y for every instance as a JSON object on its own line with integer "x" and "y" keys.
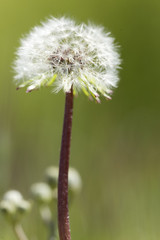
{"x": 20, "y": 232}
{"x": 63, "y": 213}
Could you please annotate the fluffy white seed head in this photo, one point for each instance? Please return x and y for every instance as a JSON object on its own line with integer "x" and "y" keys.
{"x": 62, "y": 54}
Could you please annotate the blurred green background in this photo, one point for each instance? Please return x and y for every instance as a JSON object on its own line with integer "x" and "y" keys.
{"x": 115, "y": 144}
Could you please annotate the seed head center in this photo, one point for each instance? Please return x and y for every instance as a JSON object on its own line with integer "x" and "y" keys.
{"x": 66, "y": 60}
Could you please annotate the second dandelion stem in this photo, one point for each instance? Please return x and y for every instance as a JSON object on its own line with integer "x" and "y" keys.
{"x": 63, "y": 212}
{"x": 19, "y": 232}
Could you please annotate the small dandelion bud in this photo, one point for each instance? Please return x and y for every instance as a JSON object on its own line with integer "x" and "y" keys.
{"x": 42, "y": 193}
{"x": 51, "y": 176}
{"x": 61, "y": 54}
{"x": 74, "y": 181}
{"x": 13, "y": 206}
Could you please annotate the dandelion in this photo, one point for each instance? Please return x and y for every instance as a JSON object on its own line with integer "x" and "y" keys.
{"x": 41, "y": 193}
{"x": 51, "y": 176}
{"x": 73, "y": 58}
{"x": 61, "y": 54}
{"x": 13, "y": 206}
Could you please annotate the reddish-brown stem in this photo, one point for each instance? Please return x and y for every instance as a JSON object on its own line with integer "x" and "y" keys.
{"x": 63, "y": 213}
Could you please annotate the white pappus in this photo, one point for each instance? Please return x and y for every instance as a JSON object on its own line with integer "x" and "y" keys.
{"x": 62, "y": 54}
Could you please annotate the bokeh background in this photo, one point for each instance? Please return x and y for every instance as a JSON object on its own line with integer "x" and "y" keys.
{"x": 115, "y": 144}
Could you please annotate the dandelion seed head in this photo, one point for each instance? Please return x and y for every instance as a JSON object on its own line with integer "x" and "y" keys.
{"x": 62, "y": 54}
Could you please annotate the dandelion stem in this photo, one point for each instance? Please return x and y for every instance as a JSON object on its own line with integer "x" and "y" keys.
{"x": 20, "y": 232}
{"x": 63, "y": 212}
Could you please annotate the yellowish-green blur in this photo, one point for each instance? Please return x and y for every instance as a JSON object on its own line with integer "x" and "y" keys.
{"x": 115, "y": 144}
